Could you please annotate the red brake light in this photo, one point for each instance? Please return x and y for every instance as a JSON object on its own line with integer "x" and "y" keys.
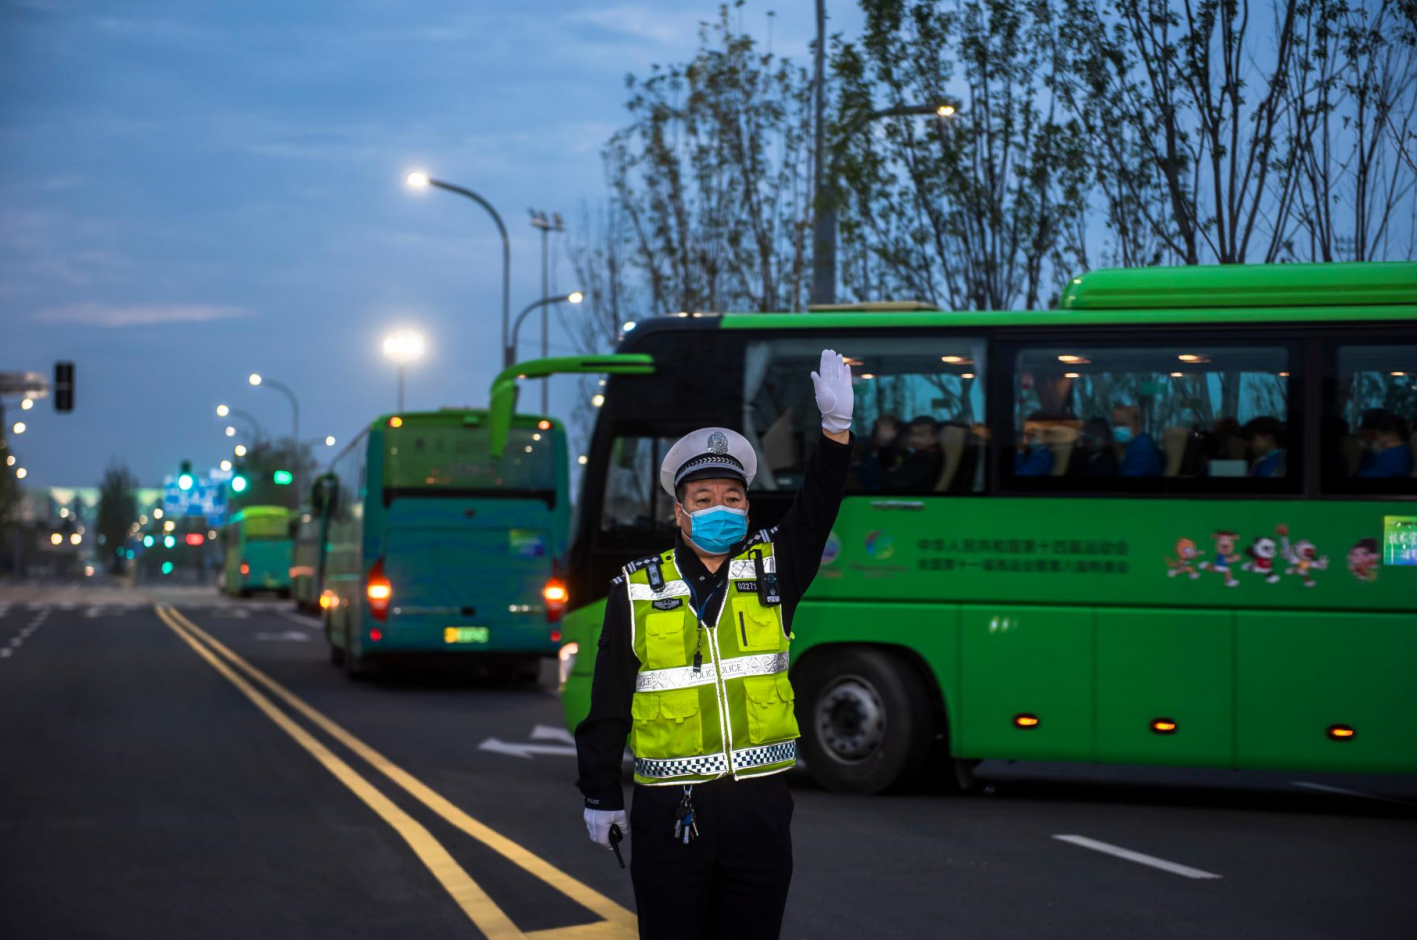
{"x": 194, "y": 538}
{"x": 245, "y": 569}
{"x": 379, "y": 590}
{"x": 556, "y": 596}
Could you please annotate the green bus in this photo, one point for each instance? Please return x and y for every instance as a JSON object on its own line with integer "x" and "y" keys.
{"x": 433, "y": 547}
{"x": 257, "y": 545}
{"x": 1172, "y": 522}
{"x": 307, "y": 569}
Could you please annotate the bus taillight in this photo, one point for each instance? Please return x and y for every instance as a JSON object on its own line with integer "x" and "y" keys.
{"x": 245, "y": 568}
{"x": 379, "y": 590}
{"x": 1341, "y": 733}
{"x": 1025, "y": 720}
{"x": 556, "y": 596}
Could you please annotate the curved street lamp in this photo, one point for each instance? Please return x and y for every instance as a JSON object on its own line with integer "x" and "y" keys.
{"x": 421, "y": 180}
{"x": 225, "y": 410}
{"x": 255, "y": 378}
{"x": 824, "y": 219}
{"x": 510, "y": 355}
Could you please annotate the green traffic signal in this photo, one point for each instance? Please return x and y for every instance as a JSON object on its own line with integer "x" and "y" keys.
{"x": 238, "y": 484}
{"x": 147, "y": 541}
{"x": 184, "y": 482}
{"x": 282, "y": 477}
{"x": 167, "y": 567}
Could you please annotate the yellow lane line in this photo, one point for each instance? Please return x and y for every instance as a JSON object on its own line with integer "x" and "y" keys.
{"x": 587, "y": 897}
{"x": 600, "y": 930}
{"x": 475, "y": 903}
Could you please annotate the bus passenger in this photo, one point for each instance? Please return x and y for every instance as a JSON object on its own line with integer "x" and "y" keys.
{"x": 1387, "y": 451}
{"x": 1265, "y": 439}
{"x": 1095, "y": 456}
{"x": 879, "y": 454}
{"x": 1034, "y": 457}
{"x": 1140, "y": 455}
{"x": 920, "y": 467}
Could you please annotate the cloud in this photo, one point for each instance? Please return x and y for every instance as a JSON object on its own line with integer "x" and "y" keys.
{"x": 91, "y": 313}
{"x": 646, "y": 22}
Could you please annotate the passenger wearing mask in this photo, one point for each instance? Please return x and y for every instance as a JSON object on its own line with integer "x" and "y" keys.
{"x": 924, "y": 459}
{"x": 1140, "y": 455}
{"x": 880, "y": 455}
{"x": 1095, "y": 455}
{"x": 1034, "y": 457}
{"x": 1265, "y": 439}
{"x": 1387, "y": 451}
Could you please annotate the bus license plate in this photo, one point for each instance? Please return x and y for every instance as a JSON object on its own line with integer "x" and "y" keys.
{"x": 466, "y": 634}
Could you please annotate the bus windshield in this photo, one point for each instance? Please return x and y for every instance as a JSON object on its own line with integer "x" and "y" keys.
{"x": 445, "y": 460}
{"x": 266, "y": 528}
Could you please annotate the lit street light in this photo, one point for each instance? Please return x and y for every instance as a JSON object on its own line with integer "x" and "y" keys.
{"x": 230, "y": 431}
{"x": 239, "y": 450}
{"x": 223, "y": 410}
{"x": 421, "y": 180}
{"x": 329, "y": 440}
{"x": 826, "y": 198}
{"x": 19, "y": 427}
{"x": 27, "y": 404}
{"x": 403, "y": 347}
{"x": 255, "y": 378}
{"x": 21, "y": 473}
{"x": 226, "y": 466}
{"x": 510, "y": 357}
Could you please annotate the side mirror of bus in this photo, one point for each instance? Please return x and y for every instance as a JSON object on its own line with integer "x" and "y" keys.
{"x": 503, "y": 395}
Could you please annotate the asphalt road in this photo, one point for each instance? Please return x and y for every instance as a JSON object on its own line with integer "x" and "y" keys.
{"x": 173, "y": 764}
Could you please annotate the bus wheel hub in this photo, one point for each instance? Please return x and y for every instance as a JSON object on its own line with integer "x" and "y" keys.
{"x": 850, "y": 719}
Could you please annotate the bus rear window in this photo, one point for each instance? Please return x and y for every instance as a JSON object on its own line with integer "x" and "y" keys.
{"x": 266, "y": 529}
{"x": 441, "y": 459}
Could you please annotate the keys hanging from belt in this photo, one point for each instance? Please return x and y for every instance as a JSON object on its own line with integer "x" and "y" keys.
{"x": 686, "y": 829}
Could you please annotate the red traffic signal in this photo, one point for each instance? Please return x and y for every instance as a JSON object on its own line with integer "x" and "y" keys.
{"x": 195, "y": 538}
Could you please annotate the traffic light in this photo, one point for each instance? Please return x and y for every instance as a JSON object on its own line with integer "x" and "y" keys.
{"x": 282, "y": 477}
{"x": 238, "y": 483}
{"x": 63, "y": 386}
{"x": 168, "y": 541}
{"x": 184, "y": 479}
{"x": 147, "y": 541}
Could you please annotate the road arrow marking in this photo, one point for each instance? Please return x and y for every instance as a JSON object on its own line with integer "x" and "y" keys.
{"x": 551, "y": 733}
{"x": 525, "y": 751}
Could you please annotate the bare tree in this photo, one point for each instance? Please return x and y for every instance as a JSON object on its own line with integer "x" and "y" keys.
{"x": 978, "y": 209}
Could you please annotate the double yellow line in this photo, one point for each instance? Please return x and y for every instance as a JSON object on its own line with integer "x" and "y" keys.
{"x": 617, "y": 924}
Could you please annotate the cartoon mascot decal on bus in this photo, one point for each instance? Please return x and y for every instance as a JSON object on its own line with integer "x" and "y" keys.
{"x": 1364, "y": 560}
{"x": 1185, "y": 560}
{"x": 1262, "y": 552}
{"x": 1302, "y": 556}
{"x": 1225, "y": 556}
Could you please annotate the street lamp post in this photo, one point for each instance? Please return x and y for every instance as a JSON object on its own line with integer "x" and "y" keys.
{"x": 423, "y": 181}
{"x": 824, "y": 221}
{"x": 255, "y": 378}
{"x": 223, "y": 411}
{"x": 403, "y": 347}
{"x": 546, "y": 226}
{"x": 510, "y": 356}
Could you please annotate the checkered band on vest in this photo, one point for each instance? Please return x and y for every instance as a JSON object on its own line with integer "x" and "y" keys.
{"x": 762, "y": 756}
{"x": 706, "y": 765}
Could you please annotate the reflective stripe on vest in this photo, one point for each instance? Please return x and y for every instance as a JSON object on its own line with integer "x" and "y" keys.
{"x": 733, "y": 716}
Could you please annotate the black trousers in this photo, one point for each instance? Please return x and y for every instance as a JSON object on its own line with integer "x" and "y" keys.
{"x": 732, "y": 880}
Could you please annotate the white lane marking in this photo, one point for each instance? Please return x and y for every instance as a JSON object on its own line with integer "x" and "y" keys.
{"x": 309, "y": 623}
{"x": 1325, "y": 788}
{"x": 525, "y": 751}
{"x": 5, "y": 653}
{"x": 16, "y": 640}
{"x": 551, "y": 733}
{"x": 1185, "y": 871}
{"x": 288, "y": 636}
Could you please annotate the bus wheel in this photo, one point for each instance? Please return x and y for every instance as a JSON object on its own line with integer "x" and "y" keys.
{"x": 865, "y": 719}
{"x": 357, "y": 667}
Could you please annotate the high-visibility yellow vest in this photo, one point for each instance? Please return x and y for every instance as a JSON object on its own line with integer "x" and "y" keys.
{"x": 732, "y": 716}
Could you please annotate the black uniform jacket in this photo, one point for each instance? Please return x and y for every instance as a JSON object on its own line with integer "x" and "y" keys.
{"x": 797, "y": 540}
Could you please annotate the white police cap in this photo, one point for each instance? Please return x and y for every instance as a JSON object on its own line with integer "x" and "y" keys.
{"x": 715, "y": 453}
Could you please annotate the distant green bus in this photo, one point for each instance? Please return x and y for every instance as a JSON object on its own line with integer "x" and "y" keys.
{"x": 1173, "y": 522}
{"x": 307, "y": 531}
{"x": 257, "y": 545}
{"x": 433, "y": 547}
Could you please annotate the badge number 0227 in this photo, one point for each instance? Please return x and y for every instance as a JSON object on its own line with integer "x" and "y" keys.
{"x": 466, "y": 634}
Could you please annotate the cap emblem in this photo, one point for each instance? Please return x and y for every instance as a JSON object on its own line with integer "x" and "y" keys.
{"x": 717, "y": 443}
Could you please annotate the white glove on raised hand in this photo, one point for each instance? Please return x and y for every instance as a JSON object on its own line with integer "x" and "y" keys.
{"x": 598, "y": 822}
{"x": 835, "y": 398}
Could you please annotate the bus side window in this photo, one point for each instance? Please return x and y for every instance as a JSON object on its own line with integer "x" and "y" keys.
{"x": 1158, "y": 413}
{"x": 1368, "y": 428}
{"x": 633, "y": 500}
{"x": 918, "y": 418}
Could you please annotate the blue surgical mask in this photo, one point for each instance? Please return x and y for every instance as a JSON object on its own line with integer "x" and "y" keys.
{"x": 718, "y": 528}
{"x": 1123, "y": 435}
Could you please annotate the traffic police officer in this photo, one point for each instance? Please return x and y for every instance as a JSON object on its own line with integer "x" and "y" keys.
{"x": 692, "y": 665}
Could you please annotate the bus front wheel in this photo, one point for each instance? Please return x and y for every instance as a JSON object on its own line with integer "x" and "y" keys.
{"x": 865, "y": 718}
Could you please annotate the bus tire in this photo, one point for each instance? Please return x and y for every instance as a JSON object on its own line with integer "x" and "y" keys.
{"x": 336, "y": 654}
{"x": 865, "y": 717}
